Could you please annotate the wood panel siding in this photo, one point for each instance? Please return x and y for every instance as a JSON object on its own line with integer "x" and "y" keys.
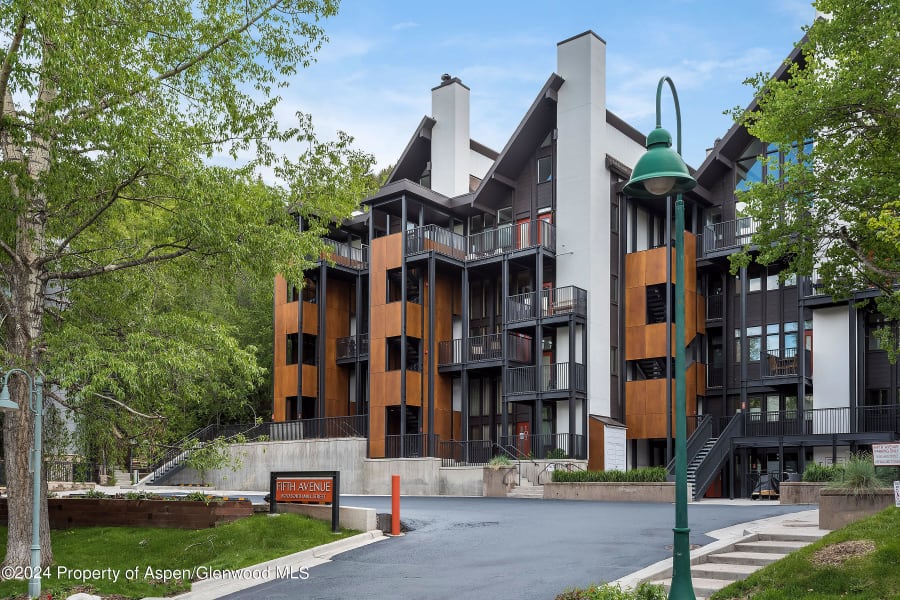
{"x": 645, "y": 410}
{"x": 310, "y": 318}
{"x": 284, "y": 376}
{"x": 596, "y": 445}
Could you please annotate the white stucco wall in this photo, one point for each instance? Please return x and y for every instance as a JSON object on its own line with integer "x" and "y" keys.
{"x": 450, "y": 152}
{"x": 831, "y": 366}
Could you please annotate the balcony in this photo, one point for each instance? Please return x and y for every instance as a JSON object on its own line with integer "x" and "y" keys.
{"x": 351, "y": 347}
{"x": 824, "y": 421}
{"x": 728, "y": 235}
{"x": 433, "y": 238}
{"x": 555, "y": 377}
{"x": 411, "y": 445}
{"x": 510, "y": 238}
{"x": 777, "y": 363}
{"x": 564, "y": 301}
{"x": 484, "y": 348}
{"x": 715, "y": 307}
{"x": 346, "y": 255}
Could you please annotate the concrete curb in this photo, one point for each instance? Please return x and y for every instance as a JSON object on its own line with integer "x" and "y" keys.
{"x": 726, "y": 537}
{"x": 292, "y": 565}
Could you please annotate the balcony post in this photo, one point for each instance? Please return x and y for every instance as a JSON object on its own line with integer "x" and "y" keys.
{"x": 504, "y": 329}
{"x": 464, "y": 379}
{"x": 431, "y": 361}
{"x": 403, "y": 275}
{"x": 356, "y": 363}
{"x": 320, "y": 359}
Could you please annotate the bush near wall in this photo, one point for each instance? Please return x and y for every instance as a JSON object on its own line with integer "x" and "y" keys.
{"x": 816, "y": 473}
{"x": 642, "y": 475}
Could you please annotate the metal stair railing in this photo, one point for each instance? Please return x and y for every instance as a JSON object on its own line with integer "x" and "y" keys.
{"x": 708, "y": 469}
{"x": 695, "y": 442}
{"x": 176, "y": 454}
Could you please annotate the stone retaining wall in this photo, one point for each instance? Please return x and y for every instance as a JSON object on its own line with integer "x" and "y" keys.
{"x": 613, "y": 492}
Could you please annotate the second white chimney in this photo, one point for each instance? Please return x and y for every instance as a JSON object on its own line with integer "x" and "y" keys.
{"x": 450, "y": 137}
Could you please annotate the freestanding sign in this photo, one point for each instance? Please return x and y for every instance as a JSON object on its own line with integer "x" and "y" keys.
{"x": 886, "y": 455}
{"x": 307, "y": 487}
{"x": 897, "y": 494}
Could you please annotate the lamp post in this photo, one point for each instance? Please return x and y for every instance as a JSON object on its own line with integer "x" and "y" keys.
{"x": 36, "y": 397}
{"x": 657, "y": 174}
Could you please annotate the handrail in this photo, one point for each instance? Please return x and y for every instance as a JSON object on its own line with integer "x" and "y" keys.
{"x": 570, "y": 466}
{"x": 708, "y": 469}
{"x": 696, "y": 441}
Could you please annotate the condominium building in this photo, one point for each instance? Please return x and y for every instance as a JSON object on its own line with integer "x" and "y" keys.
{"x": 518, "y": 302}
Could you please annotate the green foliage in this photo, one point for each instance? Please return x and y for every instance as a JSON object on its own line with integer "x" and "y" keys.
{"x": 819, "y": 473}
{"x": 95, "y": 494}
{"x": 240, "y": 544}
{"x": 644, "y": 591}
{"x": 556, "y": 454}
{"x": 214, "y": 454}
{"x": 141, "y": 496}
{"x": 642, "y": 475}
{"x": 798, "y": 577}
{"x": 839, "y": 204}
{"x": 201, "y": 497}
{"x": 501, "y": 460}
{"x": 859, "y": 476}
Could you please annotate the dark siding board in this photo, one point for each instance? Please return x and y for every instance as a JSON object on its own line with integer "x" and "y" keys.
{"x": 773, "y": 308}
{"x": 878, "y": 371}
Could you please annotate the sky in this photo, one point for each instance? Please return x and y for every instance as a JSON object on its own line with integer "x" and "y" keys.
{"x": 373, "y": 78}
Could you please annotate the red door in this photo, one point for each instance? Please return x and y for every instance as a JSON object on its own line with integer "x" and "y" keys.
{"x": 523, "y": 437}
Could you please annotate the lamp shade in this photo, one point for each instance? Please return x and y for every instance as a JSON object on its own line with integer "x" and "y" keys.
{"x": 660, "y": 171}
{"x": 7, "y": 405}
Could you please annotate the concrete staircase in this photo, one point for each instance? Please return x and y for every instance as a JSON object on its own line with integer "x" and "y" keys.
{"x": 698, "y": 460}
{"x": 526, "y": 489}
{"x": 712, "y": 572}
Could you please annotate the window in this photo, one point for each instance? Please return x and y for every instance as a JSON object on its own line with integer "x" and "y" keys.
{"x": 291, "y": 349}
{"x": 772, "y": 282}
{"x": 790, "y": 280}
{"x": 773, "y": 343}
{"x": 394, "y": 280}
{"x": 790, "y": 339}
{"x": 293, "y": 294}
{"x": 773, "y": 404}
{"x": 614, "y": 288}
{"x": 656, "y": 302}
{"x": 613, "y": 360}
{"x": 309, "y": 349}
{"x": 505, "y": 215}
{"x": 544, "y": 169}
{"x": 754, "y": 335}
{"x": 737, "y": 345}
{"x": 755, "y": 284}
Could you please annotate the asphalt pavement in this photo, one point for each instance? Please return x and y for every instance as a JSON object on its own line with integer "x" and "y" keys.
{"x": 500, "y": 548}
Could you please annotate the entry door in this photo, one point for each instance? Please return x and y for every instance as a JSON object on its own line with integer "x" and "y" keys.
{"x": 523, "y": 437}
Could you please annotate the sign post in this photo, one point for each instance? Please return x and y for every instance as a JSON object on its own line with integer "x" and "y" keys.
{"x": 307, "y": 487}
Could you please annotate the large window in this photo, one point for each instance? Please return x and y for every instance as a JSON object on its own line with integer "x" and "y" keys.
{"x": 544, "y": 169}
{"x": 754, "y": 335}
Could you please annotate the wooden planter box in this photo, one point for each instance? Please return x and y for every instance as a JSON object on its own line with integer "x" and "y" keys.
{"x": 66, "y": 513}
{"x": 613, "y": 492}
{"x": 799, "y": 492}
{"x": 838, "y": 509}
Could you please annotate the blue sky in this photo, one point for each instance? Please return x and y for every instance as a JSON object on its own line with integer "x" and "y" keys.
{"x": 373, "y": 79}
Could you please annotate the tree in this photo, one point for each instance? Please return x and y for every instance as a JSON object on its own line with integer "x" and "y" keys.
{"x": 113, "y": 111}
{"x": 837, "y": 207}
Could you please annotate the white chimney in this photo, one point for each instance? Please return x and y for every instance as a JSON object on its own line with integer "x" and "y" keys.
{"x": 450, "y": 137}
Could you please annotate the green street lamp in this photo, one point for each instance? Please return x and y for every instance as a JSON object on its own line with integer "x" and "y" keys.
{"x": 661, "y": 172}
{"x": 36, "y": 396}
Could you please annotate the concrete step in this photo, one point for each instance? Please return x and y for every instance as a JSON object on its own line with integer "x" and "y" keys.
{"x": 726, "y": 571}
{"x": 792, "y": 536}
{"x": 757, "y": 559}
{"x": 774, "y": 546}
{"x": 702, "y": 587}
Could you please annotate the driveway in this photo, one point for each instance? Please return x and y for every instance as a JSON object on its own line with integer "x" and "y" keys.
{"x": 498, "y": 548}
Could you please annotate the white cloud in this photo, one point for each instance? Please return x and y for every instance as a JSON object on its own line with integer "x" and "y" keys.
{"x": 404, "y": 25}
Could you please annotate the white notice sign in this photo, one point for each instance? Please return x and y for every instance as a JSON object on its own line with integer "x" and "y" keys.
{"x": 886, "y": 455}
{"x": 897, "y": 494}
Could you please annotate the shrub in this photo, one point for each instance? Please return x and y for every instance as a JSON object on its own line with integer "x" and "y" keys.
{"x": 859, "y": 476}
{"x": 820, "y": 473}
{"x": 500, "y": 461}
{"x": 645, "y": 591}
{"x": 556, "y": 454}
{"x": 95, "y": 494}
{"x": 642, "y": 475}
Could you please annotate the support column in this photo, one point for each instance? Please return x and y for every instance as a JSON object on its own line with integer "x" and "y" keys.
{"x": 403, "y": 272}
{"x": 668, "y": 330}
{"x": 464, "y": 343}
{"x": 504, "y": 294}
{"x": 357, "y": 366}
{"x": 431, "y": 362}
{"x": 320, "y": 339}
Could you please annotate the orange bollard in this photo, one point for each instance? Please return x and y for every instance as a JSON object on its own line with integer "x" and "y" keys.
{"x": 395, "y": 505}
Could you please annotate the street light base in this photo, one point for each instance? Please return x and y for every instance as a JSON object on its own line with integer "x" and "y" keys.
{"x": 681, "y": 588}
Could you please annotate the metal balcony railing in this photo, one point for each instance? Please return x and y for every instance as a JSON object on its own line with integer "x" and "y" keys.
{"x": 715, "y": 307}
{"x": 785, "y": 363}
{"x": 715, "y": 378}
{"x": 728, "y": 234}
{"x": 555, "y": 377}
{"x": 539, "y": 446}
{"x": 484, "y": 348}
{"x": 352, "y": 346}
{"x": 455, "y": 453}
{"x": 511, "y": 237}
{"x": 546, "y": 303}
{"x": 846, "y": 420}
{"x": 411, "y": 445}
{"x": 344, "y": 254}
{"x": 438, "y": 239}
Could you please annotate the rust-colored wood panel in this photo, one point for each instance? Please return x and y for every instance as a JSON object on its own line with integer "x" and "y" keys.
{"x": 278, "y": 409}
{"x": 378, "y": 277}
{"x": 635, "y": 398}
{"x": 655, "y": 425}
{"x": 377, "y": 383}
{"x": 391, "y": 391}
{"x": 655, "y": 266}
{"x": 701, "y": 314}
{"x": 414, "y": 320}
{"x": 376, "y": 432}
{"x": 393, "y": 251}
{"x": 690, "y": 317}
{"x": 376, "y": 324}
{"x": 337, "y": 391}
{"x": 377, "y": 360}
{"x": 701, "y": 379}
{"x": 280, "y": 290}
{"x": 655, "y": 340}
{"x": 310, "y": 318}
{"x": 457, "y": 426}
{"x": 635, "y": 306}
{"x": 286, "y": 318}
{"x": 634, "y": 343}
{"x": 285, "y": 381}
{"x": 596, "y": 432}
{"x": 636, "y": 429}
{"x": 414, "y": 383}
{"x": 634, "y": 269}
{"x": 393, "y": 314}
{"x": 690, "y": 262}
{"x": 310, "y": 383}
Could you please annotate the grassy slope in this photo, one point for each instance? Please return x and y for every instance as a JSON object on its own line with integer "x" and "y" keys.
{"x": 872, "y": 577}
{"x": 240, "y": 544}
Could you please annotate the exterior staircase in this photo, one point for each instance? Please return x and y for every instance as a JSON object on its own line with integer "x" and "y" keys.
{"x": 736, "y": 562}
{"x": 526, "y": 489}
{"x": 698, "y": 460}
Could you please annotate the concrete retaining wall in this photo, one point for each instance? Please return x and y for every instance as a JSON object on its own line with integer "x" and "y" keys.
{"x": 350, "y": 517}
{"x": 359, "y": 475}
{"x": 537, "y": 469}
{"x": 613, "y": 492}
{"x": 498, "y": 481}
{"x": 798, "y": 492}
{"x": 837, "y": 509}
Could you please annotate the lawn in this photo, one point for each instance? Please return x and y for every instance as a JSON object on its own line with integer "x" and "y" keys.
{"x": 140, "y": 556}
{"x": 859, "y": 562}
